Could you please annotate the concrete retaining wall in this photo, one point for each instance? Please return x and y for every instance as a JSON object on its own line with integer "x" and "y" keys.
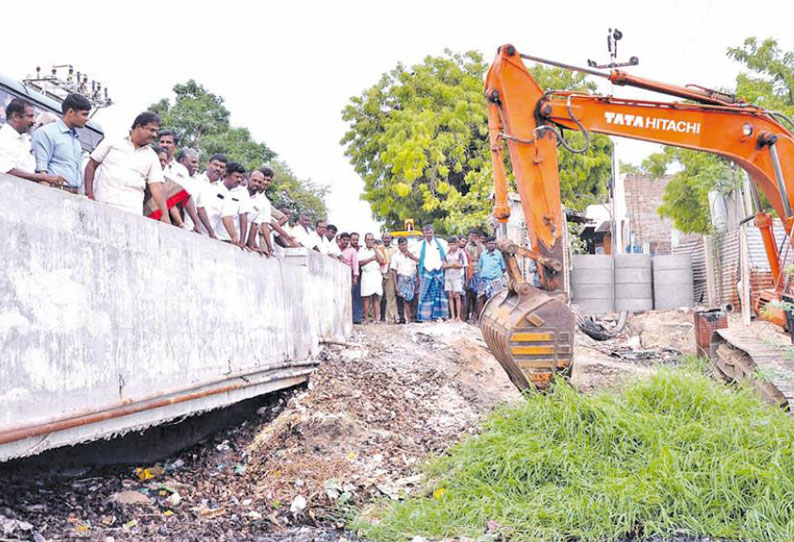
{"x": 102, "y": 310}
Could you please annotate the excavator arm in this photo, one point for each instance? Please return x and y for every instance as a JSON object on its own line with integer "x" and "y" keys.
{"x": 530, "y": 122}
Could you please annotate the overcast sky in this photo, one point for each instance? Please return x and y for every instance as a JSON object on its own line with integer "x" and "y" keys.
{"x": 286, "y": 69}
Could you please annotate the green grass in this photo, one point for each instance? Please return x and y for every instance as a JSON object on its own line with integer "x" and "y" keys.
{"x": 675, "y": 452}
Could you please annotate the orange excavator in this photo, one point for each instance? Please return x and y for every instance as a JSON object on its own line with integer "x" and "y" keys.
{"x": 531, "y": 330}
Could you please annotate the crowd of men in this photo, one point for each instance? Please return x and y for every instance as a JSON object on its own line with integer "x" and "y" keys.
{"x": 144, "y": 173}
{"x": 427, "y": 280}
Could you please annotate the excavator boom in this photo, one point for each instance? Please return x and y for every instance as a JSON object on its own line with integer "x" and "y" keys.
{"x": 530, "y": 122}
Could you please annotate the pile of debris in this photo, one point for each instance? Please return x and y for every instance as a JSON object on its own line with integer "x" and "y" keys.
{"x": 373, "y": 411}
{"x": 646, "y": 341}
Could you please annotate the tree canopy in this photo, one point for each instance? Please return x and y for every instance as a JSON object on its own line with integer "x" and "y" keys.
{"x": 768, "y": 83}
{"x": 201, "y": 120}
{"x": 419, "y": 139}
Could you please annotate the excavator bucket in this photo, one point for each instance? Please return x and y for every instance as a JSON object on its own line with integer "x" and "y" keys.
{"x": 530, "y": 333}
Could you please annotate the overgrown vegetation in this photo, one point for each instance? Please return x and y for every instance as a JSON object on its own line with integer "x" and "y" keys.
{"x": 678, "y": 451}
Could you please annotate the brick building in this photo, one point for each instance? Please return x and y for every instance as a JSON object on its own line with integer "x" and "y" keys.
{"x": 643, "y": 227}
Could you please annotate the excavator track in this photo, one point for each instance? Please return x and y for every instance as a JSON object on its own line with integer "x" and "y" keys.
{"x": 767, "y": 363}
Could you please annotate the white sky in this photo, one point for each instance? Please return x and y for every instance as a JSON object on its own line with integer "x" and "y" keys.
{"x": 286, "y": 69}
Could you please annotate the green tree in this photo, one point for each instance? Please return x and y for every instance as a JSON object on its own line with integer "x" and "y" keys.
{"x": 201, "y": 120}
{"x": 194, "y": 113}
{"x": 303, "y": 195}
{"x": 419, "y": 140}
{"x": 769, "y": 84}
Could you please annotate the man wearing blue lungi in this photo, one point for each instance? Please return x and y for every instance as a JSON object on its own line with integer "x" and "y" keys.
{"x": 432, "y": 303}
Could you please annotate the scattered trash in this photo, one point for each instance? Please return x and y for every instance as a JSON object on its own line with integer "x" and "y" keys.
{"x": 211, "y": 512}
{"x": 10, "y": 526}
{"x": 333, "y": 488}
{"x": 133, "y": 498}
{"x": 83, "y": 530}
{"x": 176, "y": 465}
{"x": 298, "y": 504}
{"x": 165, "y": 489}
{"x": 149, "y": 473}
{"x": 361, "y": 432}
{"x": 174, "y": 499}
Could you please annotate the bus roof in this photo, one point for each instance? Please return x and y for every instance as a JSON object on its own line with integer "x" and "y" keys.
{"x": 41, "y": 100}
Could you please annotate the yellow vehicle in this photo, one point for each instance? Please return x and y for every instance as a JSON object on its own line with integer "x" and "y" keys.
{"x": 408, "y": 231}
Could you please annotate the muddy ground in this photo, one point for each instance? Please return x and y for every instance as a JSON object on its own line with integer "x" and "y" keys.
{"x": 373, "y": 412}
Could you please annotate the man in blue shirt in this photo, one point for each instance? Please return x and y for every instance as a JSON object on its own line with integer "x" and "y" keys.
{"x": 492, "y": 267}
{"x": 56, "y": 146}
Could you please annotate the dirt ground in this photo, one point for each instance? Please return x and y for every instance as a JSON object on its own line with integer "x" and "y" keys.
{"x": 373, "y": 412}
{"x": 648, "y": 340}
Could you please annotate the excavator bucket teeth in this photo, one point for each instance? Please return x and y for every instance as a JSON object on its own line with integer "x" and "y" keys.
{"x": 531, "y": 334}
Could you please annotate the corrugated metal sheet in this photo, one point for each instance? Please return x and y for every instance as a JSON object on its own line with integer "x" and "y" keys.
{"x": 725, "y": 257}
{"x": 755, "y": 246}
{"x": 726, "y": 246}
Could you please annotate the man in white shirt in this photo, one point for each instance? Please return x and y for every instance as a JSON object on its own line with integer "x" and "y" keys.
{"x": 430, "y": 254}
{"x": 261, "y": 212}
{"x": 243, "y": 196}
{"x": 333, "y": 246}
{"x": 178, "y": 187}
{"x": 321, "y": 244}
{"x": 216, "y": 166}
{"x": 403, "y": 270}
{"x": 259, "y": 238}
{"x": 218, "y": 208}
{"x": 302, "y": 232}
{"x": 16, "y": 153}
{"x": 124, "y": 167}
{"x": 189, "y": 158}
{"x": 370, "y": 261}
{"x": 282, "y": 237}
{"x": 173, "y": 169}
